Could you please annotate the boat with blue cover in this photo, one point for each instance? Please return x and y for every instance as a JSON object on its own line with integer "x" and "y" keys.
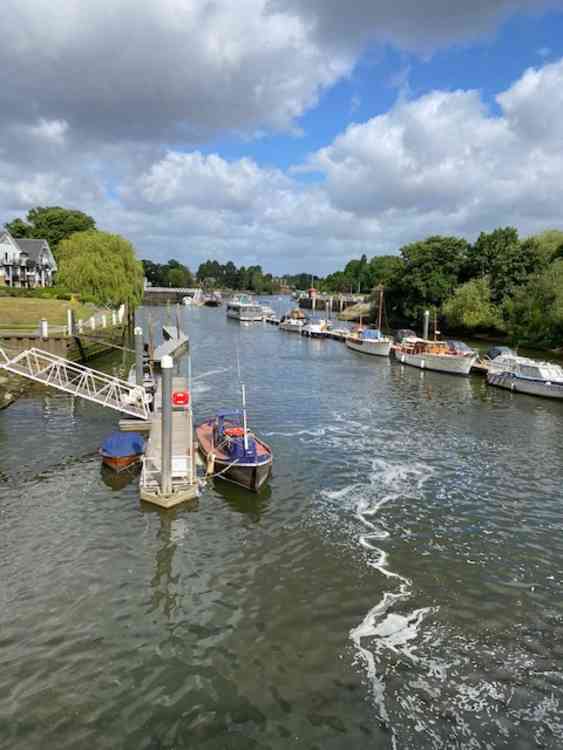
{"x": 122, "y": 449}
{"x": 369, "y": 341}
{"x": 233, "y": 452}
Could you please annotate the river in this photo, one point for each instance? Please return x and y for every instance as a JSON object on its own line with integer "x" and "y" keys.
{"x": 399, "y": 584}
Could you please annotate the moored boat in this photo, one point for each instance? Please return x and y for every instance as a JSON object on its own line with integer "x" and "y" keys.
{"x": 213, "y": 300}
{"x": 234, "y": 453}
{"x": 293, "y": 321}
{"x": 316, "y": 329}
{"x": 244, "y": 308}
{"x": 440, "y": 356}
{"x": 524, "y": 375}
{"x": 122, "y": 449}
{"x": 369, "y": 341}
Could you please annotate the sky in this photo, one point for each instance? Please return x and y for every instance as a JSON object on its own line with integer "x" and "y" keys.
{"x": 295, "y": 134}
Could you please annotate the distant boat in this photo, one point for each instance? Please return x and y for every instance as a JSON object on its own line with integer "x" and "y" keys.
{"x": 122, "y": 449}
{"x": 268, "y": 312}
{"x": 233, "y": 452}
{"x": 524, "y": 375}
{"x": 187, "y": 301}
{"x": 293, "y": 321}
{"x": 242, "y": 307}
{"x": 213, "y": 300}
{"x": 316, "y": 329}
{"x": 371, "y": 341}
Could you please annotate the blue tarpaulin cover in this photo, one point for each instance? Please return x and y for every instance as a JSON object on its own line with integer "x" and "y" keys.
{"x": 370, "y": 333}
{"x": 123, "y": 444}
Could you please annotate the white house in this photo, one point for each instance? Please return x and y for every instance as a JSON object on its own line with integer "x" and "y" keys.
{"x": 25, "y": 263}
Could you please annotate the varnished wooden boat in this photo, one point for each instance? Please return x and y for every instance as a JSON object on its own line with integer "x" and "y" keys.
{"x": 229, "y": 456}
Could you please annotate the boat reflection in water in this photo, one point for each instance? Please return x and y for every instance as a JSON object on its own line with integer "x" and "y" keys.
{"x": 117, "y": 481}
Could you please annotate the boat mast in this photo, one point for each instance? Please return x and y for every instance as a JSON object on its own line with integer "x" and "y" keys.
{"x": 380, "y": 307}
{"x": 244, "y": 416}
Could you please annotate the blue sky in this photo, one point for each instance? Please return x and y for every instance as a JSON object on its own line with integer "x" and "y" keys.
{"x": 293, "y": 133}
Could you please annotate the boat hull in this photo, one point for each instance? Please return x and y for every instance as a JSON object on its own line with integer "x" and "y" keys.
{"x": 522, "y": 385}
{"x": 251, "y": 476}
{"x": 290, "y": 328}
{"x": 244, "y": 317}
{"x": 454, "y": 365}
{"x": 375, "y": 348}
{"x": 120, "y": 463}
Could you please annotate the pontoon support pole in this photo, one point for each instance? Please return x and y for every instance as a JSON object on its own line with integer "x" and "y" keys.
{"x": 167, "y": 368}
{"x": 426, "y": 324}
{"x": 139, "y": 346}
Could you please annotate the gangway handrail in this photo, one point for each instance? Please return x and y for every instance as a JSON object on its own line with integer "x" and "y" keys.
{"x": 78, "y": 380}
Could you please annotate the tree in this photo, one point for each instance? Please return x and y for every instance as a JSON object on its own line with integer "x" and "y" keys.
{"x": 550, "y": 244}
{"x": 179, "y": 276}
{"x": 102, "y": 267}
{"x": 470, "y": 307}
{"x": 535, "y": 312}
{"x": 431, "y": 271}
{"x": 52, "y": 223}
{"x": 505, "y": 260}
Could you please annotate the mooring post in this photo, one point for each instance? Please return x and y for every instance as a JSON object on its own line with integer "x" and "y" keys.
{"x": 426, "y": 324}
{"x": 167, "y": 367}
{"x": 69, "y": 321}
{"x": 44, "y": 328}
{"x": 93, "y": 322}
{"x": 139, "y": 347}
{"x": 114, "y": 318}
{"x": 80, "y": 325}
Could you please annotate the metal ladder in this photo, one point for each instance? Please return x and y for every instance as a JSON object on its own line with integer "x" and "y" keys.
{"x": 70, "y": 377}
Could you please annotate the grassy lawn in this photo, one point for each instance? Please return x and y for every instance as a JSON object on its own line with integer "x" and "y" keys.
{"x": 23, "y": 313}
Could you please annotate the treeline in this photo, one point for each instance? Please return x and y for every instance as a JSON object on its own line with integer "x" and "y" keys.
{"x": 211, "y": 275}
{"x": 500, "y": 284}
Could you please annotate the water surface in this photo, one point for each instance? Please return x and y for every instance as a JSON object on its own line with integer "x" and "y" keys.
{"x": 398, "y": 585}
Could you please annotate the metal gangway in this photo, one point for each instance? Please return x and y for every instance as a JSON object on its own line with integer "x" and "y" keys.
{"x": 70, "y": 377}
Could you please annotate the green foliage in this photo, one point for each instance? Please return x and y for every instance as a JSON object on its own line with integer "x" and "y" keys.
{"x": 102, "y": 267}
{"x": 535, "y": 312}
{"x": 430, "y": 273}
{"x": 49, "y": 292}
{"x": 550, "y": 244}
{"x": 470, "y": 307}
{"x": 51, "y": 223}
{"x": 505, "y": 260}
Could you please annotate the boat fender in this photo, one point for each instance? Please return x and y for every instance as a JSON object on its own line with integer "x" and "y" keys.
{"x": 210, "y": 464}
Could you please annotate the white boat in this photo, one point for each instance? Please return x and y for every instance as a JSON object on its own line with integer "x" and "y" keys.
{"x": 244, "y": 308}
{"x": 292, "y": 325}
{"x": 316, "y": 329}
{"x": 440, "y": 356}
{"x": 267, "y": 312}
{"x": 187, "y": 301}
{"x": 369, "y": 341}
{"x": 525, "y": 375}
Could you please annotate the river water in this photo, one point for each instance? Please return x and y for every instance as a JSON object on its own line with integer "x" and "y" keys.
{"x": 398, "y": 585}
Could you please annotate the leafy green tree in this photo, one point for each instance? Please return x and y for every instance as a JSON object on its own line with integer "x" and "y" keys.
{"x": 505, "y": 260}
{"x": 470, "y": 307}
{"x": 550, "y": 244}
{"x": 431, "y": 271}
{"x": 52, "y": 223}
{"x": 102, "y": 267}
{"x": 535, "y": 312}
{"x": 179, "y": 276}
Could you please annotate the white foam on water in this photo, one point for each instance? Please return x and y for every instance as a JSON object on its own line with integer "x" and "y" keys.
{"x": 382, "y": 629}
{"x": 319, "y": 432}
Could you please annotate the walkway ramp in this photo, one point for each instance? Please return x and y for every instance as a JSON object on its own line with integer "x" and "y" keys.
{"x": 70, "y": 377}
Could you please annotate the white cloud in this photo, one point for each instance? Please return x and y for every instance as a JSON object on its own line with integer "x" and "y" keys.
{"x": 51, "y": 131}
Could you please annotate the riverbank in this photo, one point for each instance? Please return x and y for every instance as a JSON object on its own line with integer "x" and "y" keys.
{"x": 11, "y": 388}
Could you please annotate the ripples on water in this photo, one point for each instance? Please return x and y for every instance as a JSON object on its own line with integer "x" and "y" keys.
{"x": 399, "y": 584}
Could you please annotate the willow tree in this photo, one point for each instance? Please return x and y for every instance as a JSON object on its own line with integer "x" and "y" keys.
{"x": 101, "y": 266}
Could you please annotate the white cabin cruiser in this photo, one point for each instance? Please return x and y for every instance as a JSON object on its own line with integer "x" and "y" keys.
{"x": 316, "y": 329}
{"x": 244, "y": 308}
{"x": 525, "y": 375}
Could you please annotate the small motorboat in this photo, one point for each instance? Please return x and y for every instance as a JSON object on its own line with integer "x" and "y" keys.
{"x": 232, "y": 452}
{"x": 316, "y": 329}
{"x": 121, "y": 450}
